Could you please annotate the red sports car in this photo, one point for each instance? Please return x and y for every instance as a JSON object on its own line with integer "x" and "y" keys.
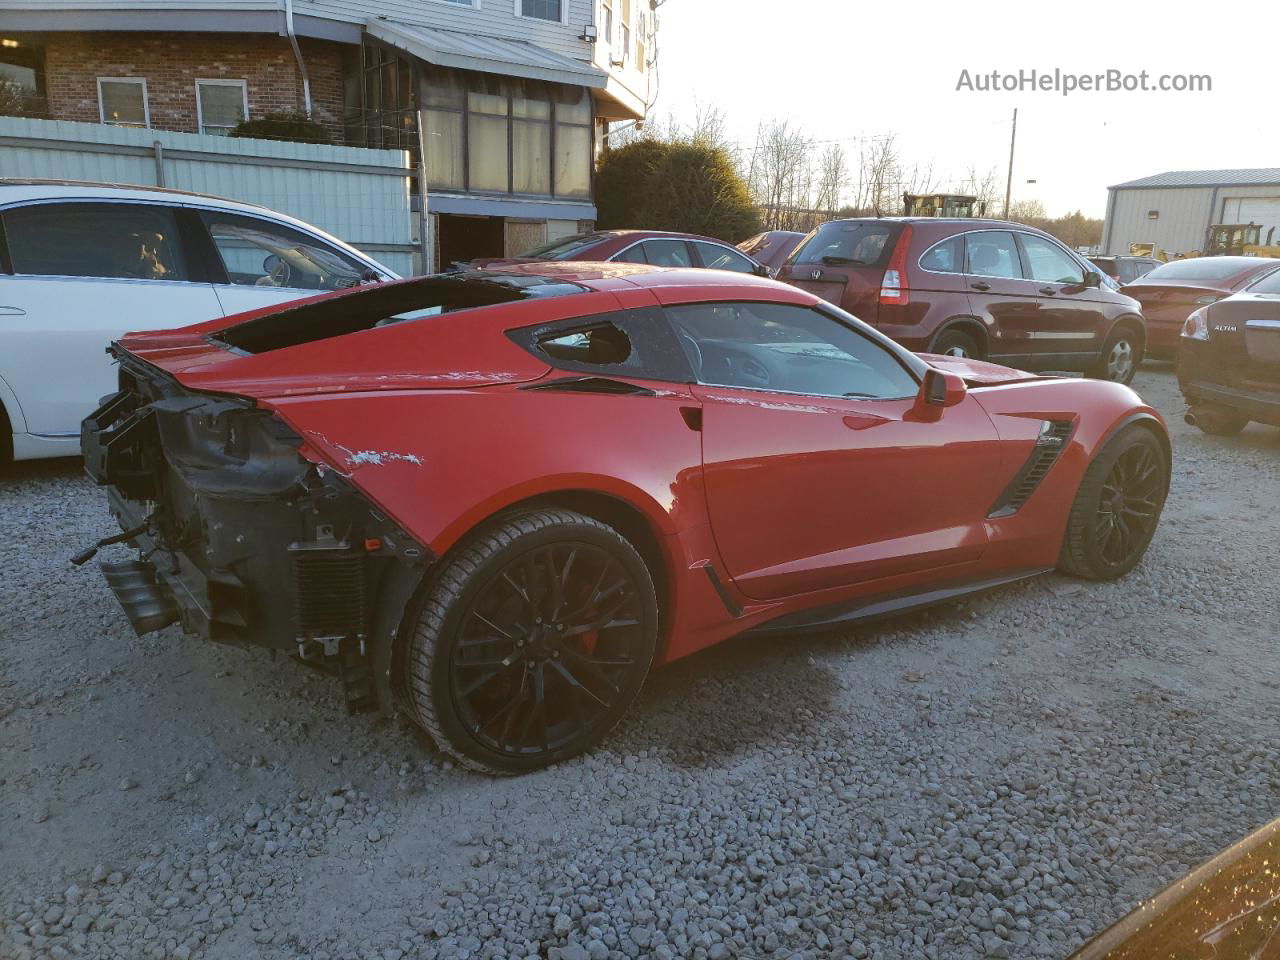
{"x": 498, "y": 498}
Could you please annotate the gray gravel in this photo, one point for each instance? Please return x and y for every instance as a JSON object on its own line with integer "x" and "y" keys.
{"x": 1001, "y": 777}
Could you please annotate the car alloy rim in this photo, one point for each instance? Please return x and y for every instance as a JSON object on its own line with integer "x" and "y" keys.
{"x": 1129, "y": 505}
{"x": 546, "y": 649}
{"x": 956, "y": 351}
{"x": 1120, "y": 362}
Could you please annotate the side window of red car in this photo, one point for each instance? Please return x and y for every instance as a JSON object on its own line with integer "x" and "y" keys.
{"x": 629, "y": 343}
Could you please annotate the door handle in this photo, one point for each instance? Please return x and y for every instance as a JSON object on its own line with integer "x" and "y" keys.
{"x": 983, "y": 287}
{"x": 12, "y": 312}
{"x": 861, "y": 421}
{"x": 1048, "y": 291}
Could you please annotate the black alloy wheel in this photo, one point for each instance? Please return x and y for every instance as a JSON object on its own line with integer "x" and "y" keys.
{"x": 536, "y": 639}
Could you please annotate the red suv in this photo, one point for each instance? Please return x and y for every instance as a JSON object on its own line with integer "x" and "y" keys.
{"x": 974, "y": 288}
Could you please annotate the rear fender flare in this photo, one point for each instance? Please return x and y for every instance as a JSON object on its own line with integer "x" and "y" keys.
{"x": 12, "y": 408}
{"x": 1134, "y": 322}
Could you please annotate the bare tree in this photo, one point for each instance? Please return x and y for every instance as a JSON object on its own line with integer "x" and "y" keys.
{"x": 833, "y": 175}
{"x": 985, "y": 185}
{"x": 779, "y": 174}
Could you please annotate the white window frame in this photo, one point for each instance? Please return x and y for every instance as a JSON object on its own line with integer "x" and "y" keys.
{"x": 244, "y": 97}
{"x": 607, "y": 22}
{"x": 146, "y": 101}
{"x": 564, "y": 13}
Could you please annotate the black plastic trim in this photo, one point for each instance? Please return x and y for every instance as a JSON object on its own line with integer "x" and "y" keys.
{"x": 1027, "y": 480}
{"x": 605, "y": 385}
{"x": 717, "y": 584}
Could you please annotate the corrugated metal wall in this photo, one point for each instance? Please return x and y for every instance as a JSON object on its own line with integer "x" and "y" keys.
{"x": 1184, "y": 215}
{"x": 361, "y": 196}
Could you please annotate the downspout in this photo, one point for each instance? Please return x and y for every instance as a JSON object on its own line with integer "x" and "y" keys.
{"x": 297, "y": 55}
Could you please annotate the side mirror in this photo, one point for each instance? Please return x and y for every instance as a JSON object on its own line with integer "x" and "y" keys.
{"x": 1093, "y": 279}
{"x": 938, "y": 390}
{"x": 760, "y": 270}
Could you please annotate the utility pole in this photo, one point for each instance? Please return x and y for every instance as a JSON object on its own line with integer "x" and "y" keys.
{"x": 1008, "y": 185}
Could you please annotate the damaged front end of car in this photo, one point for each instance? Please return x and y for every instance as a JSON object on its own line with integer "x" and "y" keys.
{"x": 241, "y": 538}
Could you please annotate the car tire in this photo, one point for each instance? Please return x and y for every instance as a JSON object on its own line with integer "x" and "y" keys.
{"x": 1117, "y": 507}
{"x": 956, "y": 343}
{"x": 532, "y": 641}
{"x": 1220, "y": 421}
{"x": 1120, "y": 357}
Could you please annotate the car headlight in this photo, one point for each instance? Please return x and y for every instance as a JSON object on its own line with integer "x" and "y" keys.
{"x": 1196, "y": 326}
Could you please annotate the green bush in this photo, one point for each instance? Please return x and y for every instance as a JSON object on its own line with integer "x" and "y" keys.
{"x": 282, "y": 126}
{"x": 688, "y": 186}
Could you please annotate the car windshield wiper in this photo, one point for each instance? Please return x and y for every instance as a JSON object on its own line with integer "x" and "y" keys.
{"x": 841, "y": 261}
{"x": 855, "y": 393}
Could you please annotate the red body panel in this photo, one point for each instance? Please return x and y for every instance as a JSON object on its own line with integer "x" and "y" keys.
{"x": 801, "y": 502}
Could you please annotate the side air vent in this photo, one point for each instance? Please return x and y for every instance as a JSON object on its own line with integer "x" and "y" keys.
{"x": 1049, "y": 446}
{"x": 329, "y": 593}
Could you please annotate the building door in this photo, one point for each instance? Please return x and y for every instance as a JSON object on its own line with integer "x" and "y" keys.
{"x": 470, "y": 238}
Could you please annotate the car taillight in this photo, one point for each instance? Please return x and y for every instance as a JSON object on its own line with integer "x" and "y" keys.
{"x": 1196, "y": 326}
{"x": 894, "y": 288}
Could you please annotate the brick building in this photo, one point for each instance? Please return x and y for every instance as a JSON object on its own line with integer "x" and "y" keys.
{"x": 512, "y": 96}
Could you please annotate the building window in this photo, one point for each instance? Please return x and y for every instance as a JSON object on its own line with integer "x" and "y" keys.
{"x": 553, "y": 10}
{"x": 606, "y": 23}
{"x": 221, "y": 105}
{"x": 492, "y": 134}
{"x": 641, "y": 35}
{"x": 21, "y": 78}
{"x": 389, "y": 101}
{"x": 122, "y": 101}
{"x": 626, "y": 31}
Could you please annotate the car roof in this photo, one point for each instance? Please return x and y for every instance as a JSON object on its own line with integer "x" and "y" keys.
{"x": 968, "y": 221}
{"x": 30, "y": 188}
{"x": 641, "y": 234}
{"x": 606, "y": 275}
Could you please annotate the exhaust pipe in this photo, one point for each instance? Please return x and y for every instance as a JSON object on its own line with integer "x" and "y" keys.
{"x": 148, "y": 604}
{"x": 1189, "y": 417}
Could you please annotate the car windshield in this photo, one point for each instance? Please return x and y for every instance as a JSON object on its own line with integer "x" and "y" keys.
{"x": 566, "y": 248}
{"x": 1197, "y": 268}
{"x": 852, "y": 242}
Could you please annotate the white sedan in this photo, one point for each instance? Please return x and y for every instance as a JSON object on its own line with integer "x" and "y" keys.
{"x": 82, "y": 263}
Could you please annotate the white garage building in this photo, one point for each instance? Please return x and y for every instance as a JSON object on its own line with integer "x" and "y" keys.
{"x": 1174, "y": 210}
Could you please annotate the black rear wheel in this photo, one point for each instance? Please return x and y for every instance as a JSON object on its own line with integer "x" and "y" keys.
{"x": 956, "y": 343}
{"x": 535, "y": 639}
{"x": 1117, "y": 507}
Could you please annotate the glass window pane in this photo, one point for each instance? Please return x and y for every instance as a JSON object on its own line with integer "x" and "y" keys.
{"x": 530, "y": 99}
{"x": 221, "y": 106}
{"x": 444, "y": 149}
{"x": 258, "y": 253}
{"x": 388, "y": 85}
{"x": 542, "y": 9}
{"x": 632, "y": 255}
{"x": 487, "y": 95}
{"x": 444, "y": 89}
{"x": 404, "y": 85}
{"x": 531, "y": 156}
{"x": 944, "y": 257}
{"x": 715, "y": 257}
{"x": 126, "y": 241}
{"x": 667, "y": 253}
{"x": 992, "y": 254}
{"x": 123, "y": 102}
{"x": 487, "y": 147}
{"x": 1050, "y": 263}
{"x": 573, "y": 161}
{"x": 573, "y": 105}
{"x": 790, "y": 349}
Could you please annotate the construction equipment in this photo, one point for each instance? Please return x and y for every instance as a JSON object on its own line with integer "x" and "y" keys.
{"x": 1241, "y": 240}
{"x": 942, "y": 205}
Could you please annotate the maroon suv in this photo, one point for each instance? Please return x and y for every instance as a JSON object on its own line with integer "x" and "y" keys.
{"x": 981, "y": 288}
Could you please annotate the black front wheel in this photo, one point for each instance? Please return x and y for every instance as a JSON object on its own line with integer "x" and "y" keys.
{"x": 533, "y": 640}
{"x": 1117, "y": 507}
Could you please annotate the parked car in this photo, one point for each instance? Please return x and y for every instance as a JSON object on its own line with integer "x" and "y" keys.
{"x": 81, "y": 263}
{"x": 1125, "y": 269}
{"x": 497, "y": 498}
{"x": 1224, "y": 909}
{"x": 1229, "y": 359}
{"x": 1170, "y": 292}
{"x": 973, "y": 288}
{"x": 658, "y": 248}
{"x": 771, "y": 248}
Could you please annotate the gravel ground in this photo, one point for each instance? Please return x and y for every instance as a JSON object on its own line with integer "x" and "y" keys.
{"x": 1001, "y": 777}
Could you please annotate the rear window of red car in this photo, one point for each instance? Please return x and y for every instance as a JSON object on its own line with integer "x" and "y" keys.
{"x": 1205, "y": 269}
{"x": 858, "y": 243}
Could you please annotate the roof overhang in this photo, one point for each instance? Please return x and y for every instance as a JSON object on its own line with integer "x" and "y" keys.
{"x": 616, "y": 102}
{"x": 485, "y": 54}
{"x": 251, "y": 17}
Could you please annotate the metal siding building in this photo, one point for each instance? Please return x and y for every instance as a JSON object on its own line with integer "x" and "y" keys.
{"x": 1174, "y": 210}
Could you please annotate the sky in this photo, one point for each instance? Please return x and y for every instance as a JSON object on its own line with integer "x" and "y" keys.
{"x": 844, "y": 69}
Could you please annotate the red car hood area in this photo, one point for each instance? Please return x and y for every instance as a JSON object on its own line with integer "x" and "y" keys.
{"x": 977, "y": 373}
